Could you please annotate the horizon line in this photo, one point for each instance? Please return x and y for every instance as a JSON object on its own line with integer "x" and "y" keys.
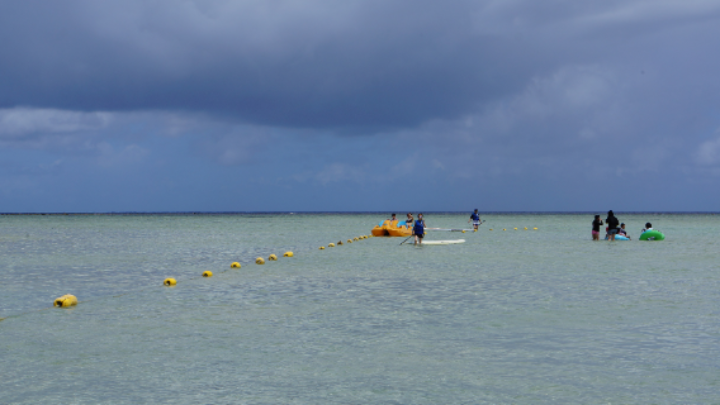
{"x": 343, "y": 212}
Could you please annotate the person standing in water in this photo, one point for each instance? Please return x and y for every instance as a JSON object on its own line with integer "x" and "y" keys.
{"x": 419, "y": 229}
{"x": 475, "y": 218}
{"x": 612, "y": 224}
{"x": 596, "y": 223}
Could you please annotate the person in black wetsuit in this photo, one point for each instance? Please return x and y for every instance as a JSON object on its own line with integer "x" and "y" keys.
{"x": 596, "y": 227}
{"x": 612, "y": 224}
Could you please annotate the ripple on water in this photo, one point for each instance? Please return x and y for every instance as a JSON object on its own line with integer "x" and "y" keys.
{"x": 509, "y": 317}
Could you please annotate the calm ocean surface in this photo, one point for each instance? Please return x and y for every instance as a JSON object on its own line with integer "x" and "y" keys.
{"x": 523, "y": 317}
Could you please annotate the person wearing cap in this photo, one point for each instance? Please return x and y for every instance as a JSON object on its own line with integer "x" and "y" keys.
{"x": 622, "y": 231}
{"x": 475, "y": 218}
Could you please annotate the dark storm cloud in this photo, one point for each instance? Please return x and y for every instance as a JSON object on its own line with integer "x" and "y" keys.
{"x": 301, "y": 63}
{"x": 568, "y": 102}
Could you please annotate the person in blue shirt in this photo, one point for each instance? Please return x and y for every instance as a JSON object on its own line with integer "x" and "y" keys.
{"x": 475, "y": 218}
{"x": 419, "y": 229}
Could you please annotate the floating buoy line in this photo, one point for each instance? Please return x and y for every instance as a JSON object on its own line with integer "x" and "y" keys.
{"x": 69, "y": 300}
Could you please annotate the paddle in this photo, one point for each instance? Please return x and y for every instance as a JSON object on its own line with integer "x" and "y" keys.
{"x": 406, "y": 239}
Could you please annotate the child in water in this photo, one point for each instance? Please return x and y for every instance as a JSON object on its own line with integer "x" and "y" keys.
{"x": 622, "y": 231}
{"x": 596, "y": 227}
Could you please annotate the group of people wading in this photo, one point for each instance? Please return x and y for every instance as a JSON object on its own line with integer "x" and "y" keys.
{"x": 614, "y": 227}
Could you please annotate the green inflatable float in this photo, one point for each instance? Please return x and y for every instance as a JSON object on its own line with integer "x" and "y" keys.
{"x": 652, "y": 235}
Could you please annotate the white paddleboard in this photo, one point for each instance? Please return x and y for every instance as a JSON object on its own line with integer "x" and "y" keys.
{"x": 449, "y": 230}
{"x": 441, "y": 242}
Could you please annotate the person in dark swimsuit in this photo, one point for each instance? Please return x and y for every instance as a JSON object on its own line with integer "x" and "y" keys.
{"x": 409, "y": 220}
{"x": 612, "y": 223}
{"x": 596, "y": 227}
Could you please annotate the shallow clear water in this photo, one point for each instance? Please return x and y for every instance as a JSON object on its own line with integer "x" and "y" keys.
{"x": 542, "y": 316}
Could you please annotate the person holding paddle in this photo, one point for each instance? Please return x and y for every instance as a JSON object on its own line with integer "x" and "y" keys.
{"x": 419, "y": 229}
{"x": 475, "y": 218}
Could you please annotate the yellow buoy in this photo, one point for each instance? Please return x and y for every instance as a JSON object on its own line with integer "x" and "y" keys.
{"x": 504, "y": 229}
{"x": 272, "y": 257}
{"x": 66, "y": 300}
{"x": 323, "y": 247}
{"x": 516, "y": 229}
{"x": 288, "y": 254}
{"x": 349, "y": 241}
{"x": 169, "y": 282}
{"x": 235, "y": 265}
{"x": 259, "y": 260}
{"x": 331, "y": 245}
{"x": 534, "y": 229}
{"x": 463, "y": 231}
{"x": 491, "y": 229}
{"x": 526, "y": 228}
{"x": 207, "y": 273}
{"x": 356, "y": 239}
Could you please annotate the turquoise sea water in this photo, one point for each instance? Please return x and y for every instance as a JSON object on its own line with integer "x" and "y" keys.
{"x": 544, "y": 316}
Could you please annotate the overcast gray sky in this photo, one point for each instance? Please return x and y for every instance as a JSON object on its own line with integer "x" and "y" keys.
{"x": 359, "y": 105}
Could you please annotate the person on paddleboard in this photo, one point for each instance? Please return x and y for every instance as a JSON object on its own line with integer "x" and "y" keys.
{"x": 475, "y": 218}
{"x": 419, "y": 229}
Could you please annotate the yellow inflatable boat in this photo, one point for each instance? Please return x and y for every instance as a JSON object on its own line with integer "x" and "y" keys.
{"x": 382, "y": 228}
{"x": 392, "y": 228}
